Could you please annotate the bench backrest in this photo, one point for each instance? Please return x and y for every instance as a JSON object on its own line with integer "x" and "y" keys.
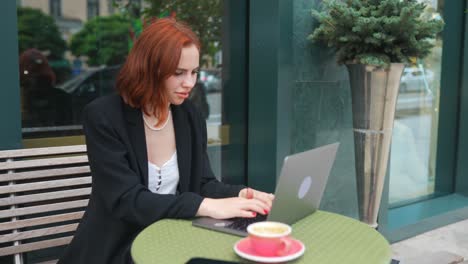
{"x": 43, "y": 193}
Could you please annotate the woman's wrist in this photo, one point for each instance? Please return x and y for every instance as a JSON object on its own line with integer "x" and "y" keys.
{"x": 204, "y": 208}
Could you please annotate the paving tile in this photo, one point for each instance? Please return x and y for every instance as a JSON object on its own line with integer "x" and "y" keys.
{"x": 441, "y": 257}
{"x": 451, "y": 238}
{"x": 403, "y": 251}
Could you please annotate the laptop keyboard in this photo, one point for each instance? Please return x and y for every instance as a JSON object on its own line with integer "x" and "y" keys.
{"x": 240, "y": 223}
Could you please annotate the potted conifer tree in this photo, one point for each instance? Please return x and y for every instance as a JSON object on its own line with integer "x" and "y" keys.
{"x": 374, "y": 39}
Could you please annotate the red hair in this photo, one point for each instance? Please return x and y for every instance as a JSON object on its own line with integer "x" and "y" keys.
{"x": 153, "y": 59}
{"x": 33, "y": 65}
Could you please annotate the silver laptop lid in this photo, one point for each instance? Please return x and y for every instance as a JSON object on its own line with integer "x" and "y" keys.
{"x": 301, "y": 184}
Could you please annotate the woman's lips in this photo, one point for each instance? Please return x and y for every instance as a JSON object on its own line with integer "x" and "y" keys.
{"x": 183, "y": 95}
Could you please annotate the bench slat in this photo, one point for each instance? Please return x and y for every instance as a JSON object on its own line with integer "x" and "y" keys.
{"x": 37, "y": 174}
{"x": 35, "y": 246}
{"x": 14, "y": 188}
{"x": 22, "y": 164}
{"x": 44, "y": 165}
{"x": 41, "y": 221}
{"x": 43, "y": 208}
{"x": 15, "y": 200}
{"x": 19, "y": 153}
{"x": 37, "y": 233}
{"x": 49, "y": 262}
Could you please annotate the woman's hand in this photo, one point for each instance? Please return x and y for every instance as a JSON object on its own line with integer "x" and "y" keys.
{"x": 250, "y": 193}
{"x": 232, "y": 207}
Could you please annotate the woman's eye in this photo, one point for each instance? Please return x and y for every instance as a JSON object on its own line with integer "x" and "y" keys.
{"x": 195, "y": 72}
{"x": 178, "y": 73}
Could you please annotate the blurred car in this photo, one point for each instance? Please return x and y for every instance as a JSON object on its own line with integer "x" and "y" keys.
{"x": 88, "y": 86}
{"x": 198, "y": 98}
{"x": 416, "y": 79}
{"x": 211, "y": 79}
{"x": 92, "y": 84}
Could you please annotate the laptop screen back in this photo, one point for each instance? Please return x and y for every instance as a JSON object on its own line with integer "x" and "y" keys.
{"x": 301, "y": 184}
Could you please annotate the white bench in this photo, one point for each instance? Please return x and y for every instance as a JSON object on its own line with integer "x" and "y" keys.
{"x": 43, "y": 194}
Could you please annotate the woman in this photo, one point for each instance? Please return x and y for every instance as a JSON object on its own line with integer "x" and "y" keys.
{"x": 147, "y": 151}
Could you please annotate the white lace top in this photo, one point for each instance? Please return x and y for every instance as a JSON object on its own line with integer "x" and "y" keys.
{"x": 164, "y": 180}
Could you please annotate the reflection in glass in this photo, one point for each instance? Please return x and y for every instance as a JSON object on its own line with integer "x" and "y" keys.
{"x": 42, "y": 104}
{"x": 412, "y": 162}
{"x": 84, "y": 44}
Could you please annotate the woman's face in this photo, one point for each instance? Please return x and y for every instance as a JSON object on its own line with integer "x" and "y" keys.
{"x": 179, "y": 85}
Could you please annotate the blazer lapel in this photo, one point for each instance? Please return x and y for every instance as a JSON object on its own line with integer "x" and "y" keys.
{"x": 183, "y": 145}
{"x": 137, "y": 138}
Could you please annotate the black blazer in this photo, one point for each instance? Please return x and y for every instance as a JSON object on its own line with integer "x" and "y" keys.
{"x": 121, "y": 204}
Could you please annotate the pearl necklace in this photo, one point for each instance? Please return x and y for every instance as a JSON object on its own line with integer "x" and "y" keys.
{"x": 156, "y": 128}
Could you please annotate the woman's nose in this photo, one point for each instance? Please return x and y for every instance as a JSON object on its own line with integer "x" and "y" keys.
{"x": 189, "y": 81}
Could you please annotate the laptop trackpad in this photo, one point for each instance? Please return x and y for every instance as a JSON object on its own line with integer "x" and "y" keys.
{"x": 207, "y": 221}
{"x": 218, "y": 225}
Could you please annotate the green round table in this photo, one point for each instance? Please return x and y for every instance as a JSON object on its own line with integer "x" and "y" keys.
{"x": 328, "y": 237}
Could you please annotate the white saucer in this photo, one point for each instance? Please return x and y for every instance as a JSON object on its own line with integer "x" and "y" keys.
{"x": 243, "y": 249}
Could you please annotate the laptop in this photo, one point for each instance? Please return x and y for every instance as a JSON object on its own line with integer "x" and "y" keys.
{"x": 298, "y": 192}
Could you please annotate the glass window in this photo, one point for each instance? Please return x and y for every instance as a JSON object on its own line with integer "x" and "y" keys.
{"x": 55, "y": 8}
{"x": 412, "y": 162}
{"x": 93, "y": 8}
{"x": 68, "y": 61}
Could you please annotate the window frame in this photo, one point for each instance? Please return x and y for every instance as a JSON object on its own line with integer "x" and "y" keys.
{"x": 449, "y": 202}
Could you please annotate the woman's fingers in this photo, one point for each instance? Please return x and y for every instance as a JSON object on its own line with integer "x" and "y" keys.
{"x": 250, "y": 193}
{"x": 233, "y": 207}
{"x": 256, "y": 206}
{"x": 247, "y": 214}
{"x": 247, "y": 193}
{"x": 264, "y": 197}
